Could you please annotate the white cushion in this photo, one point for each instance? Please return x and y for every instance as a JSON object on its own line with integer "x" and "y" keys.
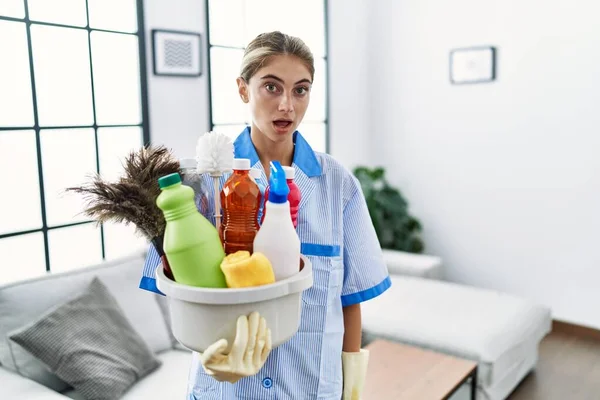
{"x": 15, "y": 386}
{"x": 24, "y": 302}
{"x": 411, "y": 264}
{"x": 170, "y": 381}
{"x": 495, "y": 329}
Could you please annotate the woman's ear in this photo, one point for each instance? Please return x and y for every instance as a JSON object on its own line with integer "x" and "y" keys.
{"x": 242, "y": 89}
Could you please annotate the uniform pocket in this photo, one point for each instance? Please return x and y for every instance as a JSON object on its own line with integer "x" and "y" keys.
{"x": 328, "y": 274}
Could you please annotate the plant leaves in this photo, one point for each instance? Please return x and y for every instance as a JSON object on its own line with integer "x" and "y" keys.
{"x": 395, "y": 228}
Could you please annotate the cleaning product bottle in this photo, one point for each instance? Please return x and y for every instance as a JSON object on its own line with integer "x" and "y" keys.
{"x": 190, "y": 177}
{"x": 294, "y": 197}
{"x": 191, "y": 243}
{"x": 240, "y": 200}
{"x": 277, "y": 239}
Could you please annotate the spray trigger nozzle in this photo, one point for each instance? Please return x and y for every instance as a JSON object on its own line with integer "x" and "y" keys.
{"x": 278, "y": 187}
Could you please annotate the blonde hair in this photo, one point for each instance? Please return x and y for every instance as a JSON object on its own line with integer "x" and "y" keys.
{"x": 267, "y": 45}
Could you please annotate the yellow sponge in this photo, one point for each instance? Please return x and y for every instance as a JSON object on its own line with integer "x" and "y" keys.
{"x": 244, "y": 270}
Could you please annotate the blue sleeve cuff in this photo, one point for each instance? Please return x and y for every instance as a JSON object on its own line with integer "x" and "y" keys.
{"x": 149, "y": 284}
{"x": 367, "y": 294}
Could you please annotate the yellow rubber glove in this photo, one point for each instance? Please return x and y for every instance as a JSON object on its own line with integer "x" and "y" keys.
{"x": 251, "y": 347}
{"x": 354, "y": 366}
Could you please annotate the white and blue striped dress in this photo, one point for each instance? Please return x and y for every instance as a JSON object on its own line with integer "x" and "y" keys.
{"x": 338, "y": 237}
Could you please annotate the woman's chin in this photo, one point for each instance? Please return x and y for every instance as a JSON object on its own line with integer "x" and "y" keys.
{"x": 278, "y": 137}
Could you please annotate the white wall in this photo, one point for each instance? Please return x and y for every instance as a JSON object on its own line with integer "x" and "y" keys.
{"x": 178, "y": 107}
{"x": 349, "y": 76}
{"x": 505, "y": 176}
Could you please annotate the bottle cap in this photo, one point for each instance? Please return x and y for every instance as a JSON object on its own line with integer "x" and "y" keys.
{"x": 278, "y": 187}
{"x": 241, "y": 163}
{"x": 290, "y": 172}
{"x": 169, "y": 180}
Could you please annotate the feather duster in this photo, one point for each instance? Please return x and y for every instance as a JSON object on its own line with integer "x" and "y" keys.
{"x": 132, "y": 199}
{"x": 122, "y": 202}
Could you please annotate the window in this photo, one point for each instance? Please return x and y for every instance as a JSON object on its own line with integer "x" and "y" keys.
{"x": 72, "y": 103}
{"x": 234, "y": 23}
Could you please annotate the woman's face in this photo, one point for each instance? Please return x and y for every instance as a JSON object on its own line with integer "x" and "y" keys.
{"x": 278, "y": 95}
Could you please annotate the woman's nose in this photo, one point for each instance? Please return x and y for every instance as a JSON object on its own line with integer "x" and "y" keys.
{"x": 285, "y": 105}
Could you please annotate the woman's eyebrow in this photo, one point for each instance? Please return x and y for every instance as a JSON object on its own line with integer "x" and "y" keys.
{"x": 271, "y": 76}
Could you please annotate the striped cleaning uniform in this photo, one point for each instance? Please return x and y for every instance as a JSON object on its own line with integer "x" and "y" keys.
{"x": 338, "y": 237}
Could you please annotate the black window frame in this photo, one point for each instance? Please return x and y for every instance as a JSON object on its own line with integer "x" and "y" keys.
{"x": 144, "y": 125}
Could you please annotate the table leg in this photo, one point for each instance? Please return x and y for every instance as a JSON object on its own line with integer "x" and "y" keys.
{"x": 474, "y": 384}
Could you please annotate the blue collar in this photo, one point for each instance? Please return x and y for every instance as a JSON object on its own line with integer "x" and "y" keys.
{"x": 304, "y": 156}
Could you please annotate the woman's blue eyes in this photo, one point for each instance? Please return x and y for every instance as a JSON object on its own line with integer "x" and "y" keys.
{"x": 273, "y": 89}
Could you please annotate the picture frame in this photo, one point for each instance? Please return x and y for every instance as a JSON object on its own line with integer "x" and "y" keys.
{"x": 473, "y": 65}
{"x": 176, "y": 53}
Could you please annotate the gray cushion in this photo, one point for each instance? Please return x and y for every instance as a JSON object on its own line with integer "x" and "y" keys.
{"x": 19, "y": 307}
{"x": 89, "y": 343}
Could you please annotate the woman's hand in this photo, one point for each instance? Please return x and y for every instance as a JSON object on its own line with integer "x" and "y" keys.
{"x": 355, "y": 371}
{"x": 251, "y": 347}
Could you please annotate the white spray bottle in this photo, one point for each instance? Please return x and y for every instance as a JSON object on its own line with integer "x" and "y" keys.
{"x": 277, "y": 238}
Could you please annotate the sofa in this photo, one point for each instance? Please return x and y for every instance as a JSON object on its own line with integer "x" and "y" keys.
{"x": 499, "y": 331}
{"x": 24, "y": 304}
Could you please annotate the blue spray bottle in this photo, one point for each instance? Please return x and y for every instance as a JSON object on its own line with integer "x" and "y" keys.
{"x": 277, "y": 238}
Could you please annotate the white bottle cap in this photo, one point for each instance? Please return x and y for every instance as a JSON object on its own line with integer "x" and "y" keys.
{"x": 290, "y": 172}
{"x": 241, "y": 163}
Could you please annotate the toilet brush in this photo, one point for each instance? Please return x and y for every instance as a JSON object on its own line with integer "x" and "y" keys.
{"x": 214, "y": 155}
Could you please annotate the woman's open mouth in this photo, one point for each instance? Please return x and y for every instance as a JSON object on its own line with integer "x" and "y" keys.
{"x": 282, "y": 125}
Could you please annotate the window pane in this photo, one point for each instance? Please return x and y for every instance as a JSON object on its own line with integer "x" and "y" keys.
{"x": 121, "y": 240}
{"x": 227, "y": 107}
{"x": 67, "y": 12}
{"x": 317, "y": 108}
{"x": 15, "y": 81}
{"x": 62, "y": 76}
{"x": 113, "y": 15}
{"x": 114, "y": 144}
{"x": 22, "y": 257}
{"x": 74, "y": 247}
{"x": 227, "y": 22}
{"x": 315, "y": 135}
{"x": 232, "y": 131}
{"x": 115, "y": 58}
{"x": 12, "y": 8}
{"x": 68, "y": 158}
{"x": 306, "y": 21}
{"x": 18, "y": 153}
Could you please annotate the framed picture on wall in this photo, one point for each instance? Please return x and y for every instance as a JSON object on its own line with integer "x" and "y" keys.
{"x": 473, "y": 65}
{"x": 176, "y": 53}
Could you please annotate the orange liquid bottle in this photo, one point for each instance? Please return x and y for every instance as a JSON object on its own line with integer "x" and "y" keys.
{"x": 240, "y": 200}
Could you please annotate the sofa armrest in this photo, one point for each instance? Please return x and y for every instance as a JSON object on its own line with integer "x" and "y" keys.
{"x": 15, "y": 386}
{"x": 411, "y": 264}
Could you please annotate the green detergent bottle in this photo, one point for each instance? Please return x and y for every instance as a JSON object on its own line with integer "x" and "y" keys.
{"x": 191, "y": 243}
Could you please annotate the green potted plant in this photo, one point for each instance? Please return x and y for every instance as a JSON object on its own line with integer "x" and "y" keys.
{"x": 396, "y": 228}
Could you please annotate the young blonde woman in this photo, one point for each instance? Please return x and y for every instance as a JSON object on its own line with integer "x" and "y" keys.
{"x": 324, "y": 360}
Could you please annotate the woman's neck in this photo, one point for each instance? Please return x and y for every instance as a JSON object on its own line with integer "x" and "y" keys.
{"x": 268, "y": 151}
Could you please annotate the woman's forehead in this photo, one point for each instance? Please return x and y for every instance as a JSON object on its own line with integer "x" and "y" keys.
{"x": 288, "y": 68}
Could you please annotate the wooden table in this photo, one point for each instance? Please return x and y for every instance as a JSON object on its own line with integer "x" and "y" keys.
{"x": 400, "y": 372}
